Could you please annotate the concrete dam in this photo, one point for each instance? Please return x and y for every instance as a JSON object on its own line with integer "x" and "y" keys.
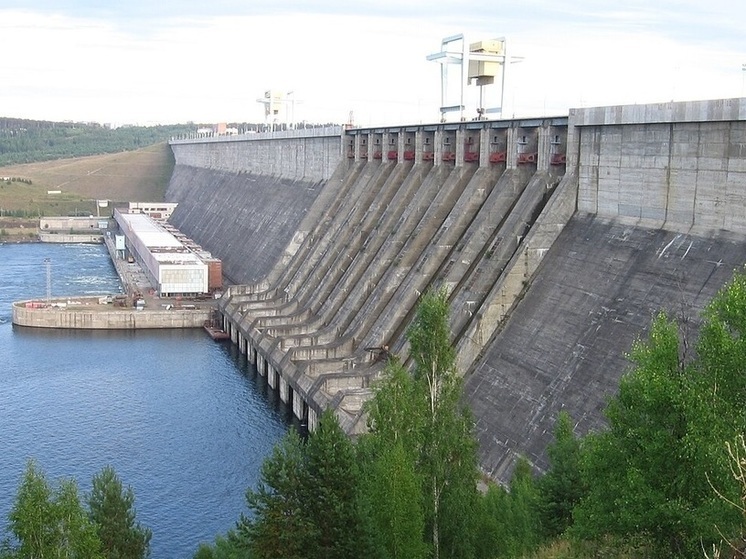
{"x": 556, "y": 239}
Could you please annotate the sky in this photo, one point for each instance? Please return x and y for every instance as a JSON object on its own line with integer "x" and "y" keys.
{"x": 161, "y": 61}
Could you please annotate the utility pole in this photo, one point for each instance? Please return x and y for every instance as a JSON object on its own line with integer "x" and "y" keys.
{"x": 48, "y": 265}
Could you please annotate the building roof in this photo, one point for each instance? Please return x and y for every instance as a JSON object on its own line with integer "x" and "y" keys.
{"x": 181, "y": 258}
{"x": 150, "y": 233}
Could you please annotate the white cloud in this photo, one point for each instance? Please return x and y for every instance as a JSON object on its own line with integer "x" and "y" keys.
{"x": 213, "y": 68}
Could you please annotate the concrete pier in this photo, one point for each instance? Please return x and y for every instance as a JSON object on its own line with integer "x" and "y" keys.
{"x": 93, "y": 313}
{"x": 114, "y": 311}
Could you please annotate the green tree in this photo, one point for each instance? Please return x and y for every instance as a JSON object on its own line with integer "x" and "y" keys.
{"x": 51, "y": 523}
{"x": 720, "y": 371}
{"x": 634, "y": 469}
{"x": 332, "y": 494}
{"x": 647, "y": 474}
{"x": 224, "y": 547}
{"x": 509, "y": 520}
{"x": 77, "y": 537}
{"x": 737, "y": 462}
{"x": 388, "y": 454}
{"x": 308, "y": 502}
{"x": 561, "y": 487}
{"x": 447, "y": 457}
{"x": 32, "y": 518}
{"x": 392, "y": 493}
{"x": 523, "y": 526}
{"x": 494, "y": 519}
{"x": 396, "y": 412}
{"x": 279, "y": 526}
{"x": 112, "y": 509}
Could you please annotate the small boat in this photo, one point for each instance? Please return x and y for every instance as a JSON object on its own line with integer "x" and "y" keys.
{"x": 216, "y": 333}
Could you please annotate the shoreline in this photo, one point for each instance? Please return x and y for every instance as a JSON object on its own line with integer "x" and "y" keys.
{"x": 19, "y": 241}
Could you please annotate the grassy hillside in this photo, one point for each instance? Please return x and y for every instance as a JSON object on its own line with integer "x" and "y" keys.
{"x": 140, "y": 176}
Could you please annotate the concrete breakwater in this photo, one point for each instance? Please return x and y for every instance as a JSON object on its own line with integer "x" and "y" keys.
{"x": 555, "y": 238}
{"x": 115, "y": 311}
{"x": 94, "y": 313}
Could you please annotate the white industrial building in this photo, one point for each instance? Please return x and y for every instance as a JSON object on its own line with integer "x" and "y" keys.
{"x": 156, "y": 210}
{"x": 170, "y": 266}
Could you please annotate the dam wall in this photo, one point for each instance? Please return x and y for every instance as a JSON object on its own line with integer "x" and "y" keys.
{"x": 309, "y": 154}
{"x": 680, "y": 166}
{"x": 245, "y": 197}
{"x": 444, "y": 205}
{"x": 90, "y": 313}
{"x": 659, "y": 225}
{"x": 556, "y": 239}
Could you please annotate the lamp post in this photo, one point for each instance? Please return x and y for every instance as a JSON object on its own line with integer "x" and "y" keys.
{"x": 291, "y": 96}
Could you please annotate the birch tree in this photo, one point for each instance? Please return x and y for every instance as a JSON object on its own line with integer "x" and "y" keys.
{"x": 447, "y": 457}
{"x": 51, "y": 522}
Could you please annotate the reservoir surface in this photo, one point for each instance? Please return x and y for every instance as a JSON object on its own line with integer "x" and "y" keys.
{"x": 184, "y": 421}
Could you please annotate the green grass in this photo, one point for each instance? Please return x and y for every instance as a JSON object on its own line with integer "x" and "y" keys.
{"x": 136, "y": 176}
{"x": 133, "y": 176}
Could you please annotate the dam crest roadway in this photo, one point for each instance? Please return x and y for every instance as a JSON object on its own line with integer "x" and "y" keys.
{"x": 556, "y": 239}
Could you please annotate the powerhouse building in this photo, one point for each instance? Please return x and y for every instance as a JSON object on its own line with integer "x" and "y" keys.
{"x": 173, "y": 267}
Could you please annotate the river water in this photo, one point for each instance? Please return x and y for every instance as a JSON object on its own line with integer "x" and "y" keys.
{"x": 184, "y": 421}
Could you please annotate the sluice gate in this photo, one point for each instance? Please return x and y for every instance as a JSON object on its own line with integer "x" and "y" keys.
{"x": 414, "y": 207}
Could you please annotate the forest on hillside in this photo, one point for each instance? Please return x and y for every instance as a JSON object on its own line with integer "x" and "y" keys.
{"x": 29, "y": 141}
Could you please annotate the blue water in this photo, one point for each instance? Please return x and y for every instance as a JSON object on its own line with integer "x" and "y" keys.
{"x": 184, "y": 421}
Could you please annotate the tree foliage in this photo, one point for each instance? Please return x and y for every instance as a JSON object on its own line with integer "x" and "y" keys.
{"x": 279, "y": 526}
{"x": 332, "y": 494}
{"x": 307, "y": 503}
{"x": 27, "y": 141}
{"x": 51, "y": 522}
{"x": 651, "y": 472}
{"x": 392, "y": 486}
{"x": 562, "y": 487}
{"x": 393, "y": 497}
{"x": 447, "y": 456}
{"x": 422, "y": 434}
{"x": 112, "y": 509}
{"x": 224, "y": 547}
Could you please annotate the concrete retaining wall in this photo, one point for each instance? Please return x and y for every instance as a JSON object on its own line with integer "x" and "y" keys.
{"x": 310, "y": 154}
{"x": 70, "y": 238}
{"x": 96, "y": 318}
{"x": 677, "y": 165}
{"x": 245, "y": 197}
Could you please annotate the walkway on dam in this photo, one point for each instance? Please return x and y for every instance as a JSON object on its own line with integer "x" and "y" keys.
{"x": 564, "y": 345}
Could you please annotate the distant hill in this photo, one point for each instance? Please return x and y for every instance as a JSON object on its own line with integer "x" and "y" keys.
{"x": 28, "y": 141}
{"x": 70, "y": 186}
{"x": 62, "y": 168}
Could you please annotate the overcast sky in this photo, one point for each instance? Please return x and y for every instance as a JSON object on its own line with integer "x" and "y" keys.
{"x": 162, "y": 61}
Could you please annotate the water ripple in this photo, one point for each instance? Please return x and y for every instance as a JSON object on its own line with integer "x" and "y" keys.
{"x": 181, "y": 418}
